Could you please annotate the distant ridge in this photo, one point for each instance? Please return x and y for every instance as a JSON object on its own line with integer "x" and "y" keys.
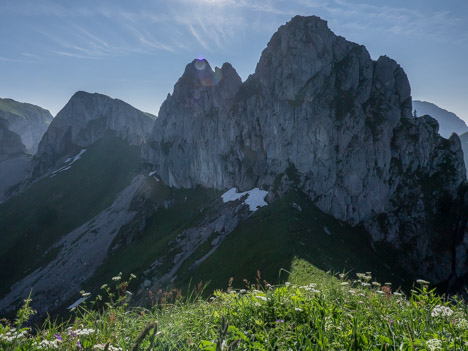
{"x": 449, "y": 122}
{"x": 29, "y": 121}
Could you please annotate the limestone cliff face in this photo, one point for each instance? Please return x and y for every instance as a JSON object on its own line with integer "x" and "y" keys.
{"x": 30, "y": 122}
{"x": 85, "y": 119}
{"x": 194, "y": 127}
{"x": 320, "y": 113}
{"x": 464, "y": 142}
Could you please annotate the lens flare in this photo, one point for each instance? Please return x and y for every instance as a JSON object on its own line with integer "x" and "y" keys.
{"x": 200, "y": 64}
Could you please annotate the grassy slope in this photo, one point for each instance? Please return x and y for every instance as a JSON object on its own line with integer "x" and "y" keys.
{"x": 52, "y": 207}
{"x": 20, "y": 108}
{"x": 321, "y": 312}
{"x": 160, "y": 229}
{"x": 270, "y": 240}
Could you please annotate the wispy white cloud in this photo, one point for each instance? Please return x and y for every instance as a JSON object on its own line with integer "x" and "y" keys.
{"x": 400, "y": 21}
{"x": 212, "y": 25}
{"x": 16, "y": 60}
{"x": 75, "y": 55}
{"x": 198, "y": 36}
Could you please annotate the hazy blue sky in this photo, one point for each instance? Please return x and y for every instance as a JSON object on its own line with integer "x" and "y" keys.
{"x": 136, "y": 50}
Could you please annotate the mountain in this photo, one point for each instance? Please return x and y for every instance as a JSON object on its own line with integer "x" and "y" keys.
{"x": 85, "y": 119}
{"x": 319, "y": 107}
{"x": 449, "y": 122}
{"x": 10, "y": 142}
{"x": 22, "y": 126}
{"x": 28, "y": 121}
{"x": 14, "y": 160}
{"x": 315, "y": 156}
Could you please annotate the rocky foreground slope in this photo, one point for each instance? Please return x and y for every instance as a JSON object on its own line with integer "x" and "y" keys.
{"x": 320, "y": 131}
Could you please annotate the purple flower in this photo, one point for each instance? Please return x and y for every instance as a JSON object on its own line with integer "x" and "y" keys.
{"x": 78, "y": 344}
{"x": 58, "y": 337}
{"x": 280, "y": 321}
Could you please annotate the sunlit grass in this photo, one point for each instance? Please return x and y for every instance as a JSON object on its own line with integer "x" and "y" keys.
{"x": 314, "y": 311}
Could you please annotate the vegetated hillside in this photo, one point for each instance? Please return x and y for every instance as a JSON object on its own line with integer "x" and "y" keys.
{"x": 268, "y": 240}
{"x": 313, "y": 310}
{"x": 449, "y": 122}
{"x": 32, "y": 222}
{"x": 27, "y": 120}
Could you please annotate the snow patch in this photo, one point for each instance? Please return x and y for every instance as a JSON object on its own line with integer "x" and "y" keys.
{"x": 76, "y": 158}
{"x": 69, "y": 161}
{"x": 152, "y": 174}
{"x": 255, "y": 197}
{"x": 77, "y": 302}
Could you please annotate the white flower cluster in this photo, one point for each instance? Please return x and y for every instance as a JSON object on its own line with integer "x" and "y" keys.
{"x": 11, "y": 335}
{"x": 441, "y": 311}
{"x": 462, "y": 324}
{"x": 311, "y": 288}
{"x": 84, "y": 332}
{"x": 263, "y": 298}
{"x": 330, "y": 325}
{"x": 434, "y": 344}
{"x": 364, "y": 276}
{"x": 48, "y": 344}
{"x": 103, "y": 346}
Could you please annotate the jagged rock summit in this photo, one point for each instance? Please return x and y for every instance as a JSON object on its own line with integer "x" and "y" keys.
{"x": 320, "y": 114}
{"x": 193, "y": 126}
{"x": 85, "y": 119}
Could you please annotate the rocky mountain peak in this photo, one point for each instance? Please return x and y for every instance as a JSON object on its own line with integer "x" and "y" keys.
{"x": 192, "y": 121}
{"x": 200, "y": 87}
{"x": 320, "y": 108}
{"x": 85, "y": 119}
